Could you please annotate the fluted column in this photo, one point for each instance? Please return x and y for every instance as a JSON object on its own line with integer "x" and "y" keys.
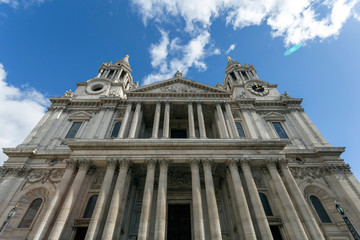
{"x": 116, "y": 201}
{"x": 55, "y": 201}
{"x": 125, "y": 121}
{"x": 244, "y": 212}
{"x": 135, "y": 121}
{"x": 70, "y": 200}
{"x": 201, "y": 121}
{"x": 222, "y": 124}
{"x": 261, "y": 218}
{"x": 191, "y": 120}
{"x": 197, "y": 202}
{"x": 211, "y": 202}
{"x": 231, "y": 122}
{"x": 146, "y": 203}
{"x": 300, "y": 201}
{"x": 155, "y": 130}
{"x": 166, "y": 120}
{"x": 289, "y": 208}
{"x": 160, "y": 221}
{"x": 94, "y": 226}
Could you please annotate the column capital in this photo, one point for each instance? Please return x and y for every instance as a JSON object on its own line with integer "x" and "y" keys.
{"x": 71, "y": 164}
{"x": 232, "y": 162}
{"x": 150, "y": 163}
{"x": 84, "y": 164}
{"x": 163, "y": 163}
{"x": 271, "y": 163}
{"x": 124, "y": 163}
{"x": 207, "y": 163}
{"x": 245, "y": 162}
{"x": 283, "y": 162}
{"x": 194, "y": 162}
{"x": 111, "y": 163}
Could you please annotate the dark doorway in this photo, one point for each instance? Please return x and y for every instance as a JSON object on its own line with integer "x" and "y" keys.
{"x": 80, "y": 233}
{"x": 276, "y": 232}
{"x": 178, "y": 133}
{"x": 179, "y": 223}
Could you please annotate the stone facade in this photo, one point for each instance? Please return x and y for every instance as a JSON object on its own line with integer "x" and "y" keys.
{"x": 176, "y": 159}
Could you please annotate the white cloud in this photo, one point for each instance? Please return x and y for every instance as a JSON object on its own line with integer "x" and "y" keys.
{"x": 24, "y": 3}
{"x": 20, "y": 110}
{"x": 181, "y": 57}
{"x": 296, "y": 21}
{"x": 231, "y": 48}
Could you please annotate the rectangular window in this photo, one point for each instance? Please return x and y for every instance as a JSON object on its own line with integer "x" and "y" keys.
{"x": 73, "y": 130}
{"x": 280, "y": 130}
{"x": 116, "y": 129}
{"x": 240, "y": 130}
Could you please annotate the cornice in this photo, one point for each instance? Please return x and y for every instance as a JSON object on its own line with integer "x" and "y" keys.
{"x": 176, "y": 144}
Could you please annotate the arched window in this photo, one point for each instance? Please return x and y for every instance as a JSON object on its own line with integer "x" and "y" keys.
{"x": 90, "y": 206}
{"x": 320, "y": 210}
{"x": 30, "y": 213}
{"x": 265, "y": 204}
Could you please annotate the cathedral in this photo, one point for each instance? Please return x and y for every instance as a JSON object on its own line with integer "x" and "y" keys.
{"x": 177, "y": 160}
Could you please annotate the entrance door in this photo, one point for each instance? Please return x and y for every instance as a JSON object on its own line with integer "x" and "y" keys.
{"x": 179, "y": 223}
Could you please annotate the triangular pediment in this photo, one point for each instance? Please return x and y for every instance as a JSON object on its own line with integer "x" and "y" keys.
{"x": 178, "y": 85}
{"x": 274, "y": 116}
{"x": 81, "y": 115}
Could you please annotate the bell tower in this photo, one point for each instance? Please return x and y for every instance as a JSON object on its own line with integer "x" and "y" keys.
{"x": 238, "y": 74}
{"x": 113, "y": 80}
{"x": 120, "y": 71}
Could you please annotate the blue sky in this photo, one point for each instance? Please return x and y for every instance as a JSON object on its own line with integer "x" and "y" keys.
{"x": 46, "y": 46}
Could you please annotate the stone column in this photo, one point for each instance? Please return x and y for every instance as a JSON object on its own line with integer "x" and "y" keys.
{"x": 11, "y": 182}
{"x": 160, "y": 221}
{"x": 191, "y": 120}
{"x": 116, "y": 201}
{"x": 125, "y": 121}
{"x": 244, "y": 212}
{"x": 289, "y": 208}
{"x": 300, "y": 201}
{"x": 231, "y": 122}
{"x": 222, "y": 125}
{"x": 94, "y": 226}
{"x": 155, "y": 130}
{"x": 197, "y": 202}
{"x": 146, "y": 203}
{"x": 211, "y": 202}
{"x": 166, "y": 120}
{"x": 70, "y": 200}
{"x": 135, "y": 121}
{"x": 201, "y": 121}
{"x": 45, "y": 222}
{"x": 261, "y": 218}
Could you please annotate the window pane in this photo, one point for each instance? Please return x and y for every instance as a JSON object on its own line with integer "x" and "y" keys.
{"x": 265, "y": 204}
{"x": 73, "y": 130}
{"x": 240, "y": 129}
{"x": 116, "y": 129}
{"x": 90, "y": 206}
{"x": 280, "y": 130}
{"x": 320, "y": 210}
{"x": 30, "y": 213}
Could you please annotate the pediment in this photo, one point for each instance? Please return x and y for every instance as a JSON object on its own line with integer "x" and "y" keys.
{"x": 81, "y": 115}
{"x": 274, "y": 116}
{"x": 178, "y": 85}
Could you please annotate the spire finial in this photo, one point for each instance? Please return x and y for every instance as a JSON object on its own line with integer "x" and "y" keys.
{"x": 127, "y": 57}
{"x": 229, "y": 58}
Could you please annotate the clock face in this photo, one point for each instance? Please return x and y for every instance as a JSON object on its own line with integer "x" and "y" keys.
{"x": 258, "y": 89}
